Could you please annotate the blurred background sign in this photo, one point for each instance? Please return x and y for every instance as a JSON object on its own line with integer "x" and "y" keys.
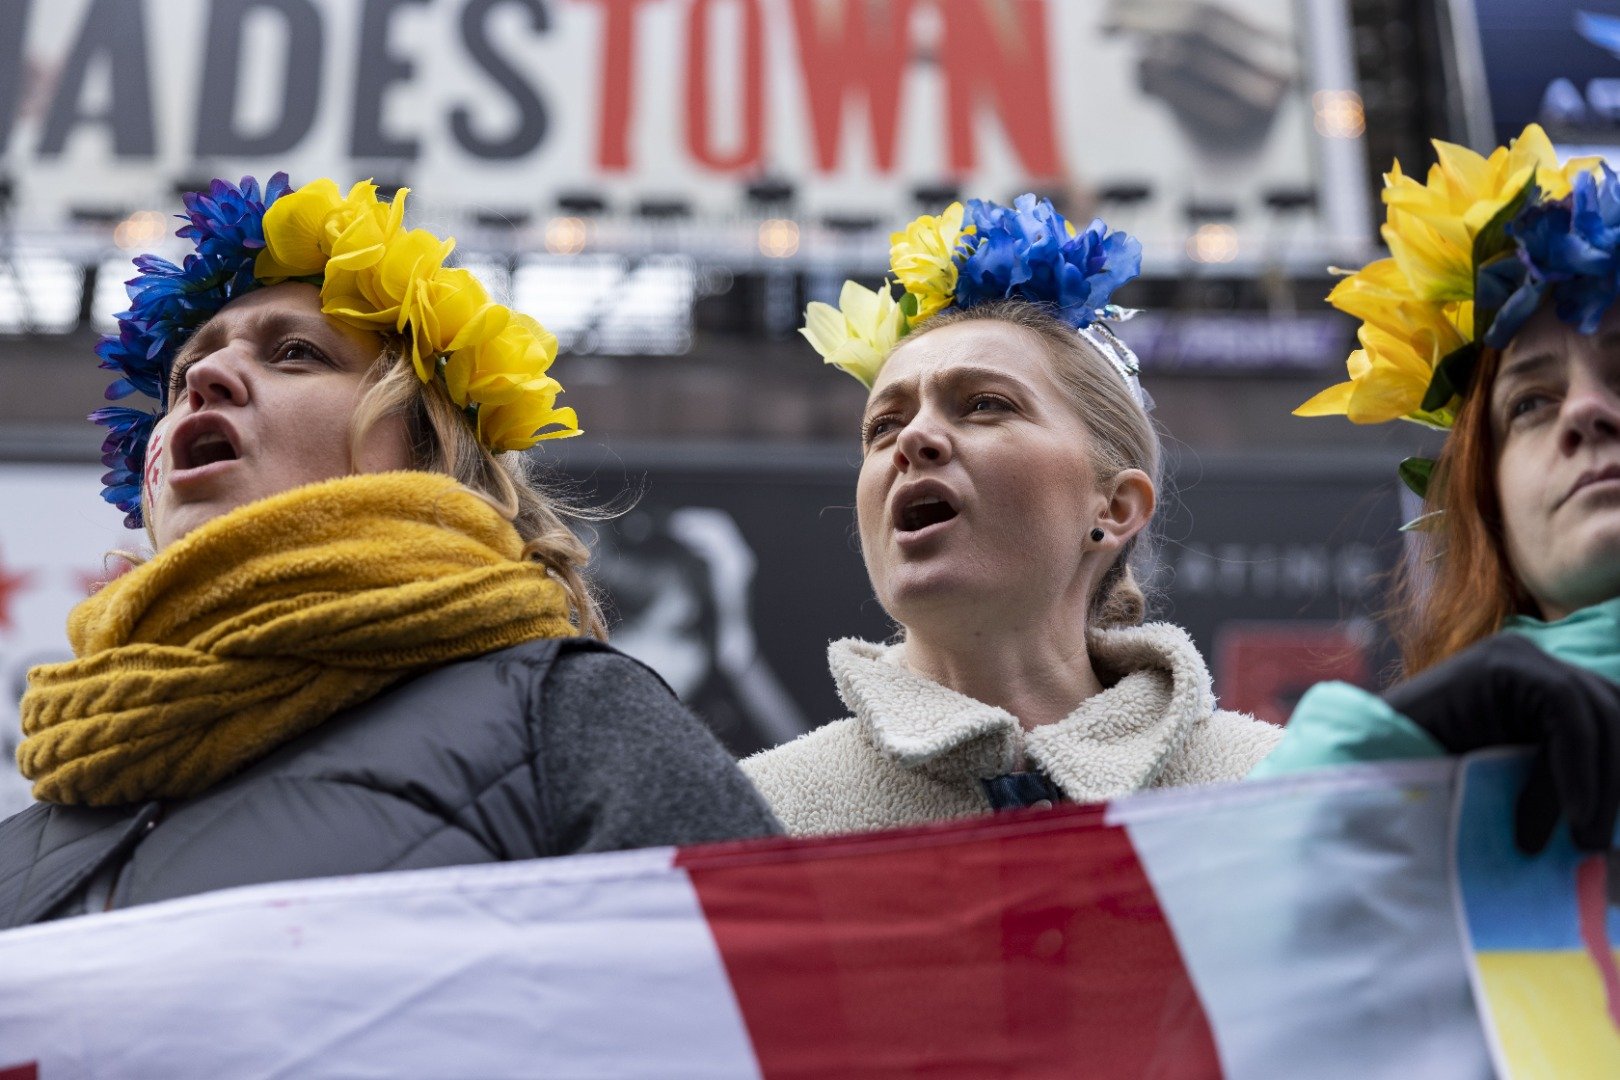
{"x": 666, "y": 183}
{"x": 1553, "y": 62}
{"x": 650, "y": 112}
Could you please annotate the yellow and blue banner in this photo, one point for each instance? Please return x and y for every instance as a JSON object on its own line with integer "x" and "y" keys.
{"x": 1542, "y": 932}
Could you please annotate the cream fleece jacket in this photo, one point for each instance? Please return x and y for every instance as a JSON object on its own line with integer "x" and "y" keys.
{"x": 915, "y": 751}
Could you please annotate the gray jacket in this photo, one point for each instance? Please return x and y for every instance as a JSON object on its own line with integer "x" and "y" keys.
{"x": 547, "y": 748}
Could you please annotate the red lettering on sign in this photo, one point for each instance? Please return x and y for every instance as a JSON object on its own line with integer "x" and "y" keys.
{"x": 30, "y": 1071}
{"x": 998, "y": 54}
{"x": 848, "y": 51}
{"x": 618, "y": 56}
{"x": 699, "y": 138}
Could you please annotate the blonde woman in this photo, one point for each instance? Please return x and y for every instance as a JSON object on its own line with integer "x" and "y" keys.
{"x": 1009, "y": 471}
{"x": 363, "y": 642}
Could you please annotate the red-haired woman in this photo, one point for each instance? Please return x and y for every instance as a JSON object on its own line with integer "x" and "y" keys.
{"x": 1509, "y": 624}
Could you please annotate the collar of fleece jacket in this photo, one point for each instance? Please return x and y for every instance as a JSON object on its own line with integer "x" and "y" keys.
{"x": 1116, "y": 741}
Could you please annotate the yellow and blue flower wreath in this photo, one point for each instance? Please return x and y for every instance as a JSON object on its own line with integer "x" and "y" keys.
{"x": 373, "y": 273}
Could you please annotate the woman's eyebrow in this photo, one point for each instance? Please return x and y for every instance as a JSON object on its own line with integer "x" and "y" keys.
{"x": 275, "y": 323}
{"x": 1529, "y": 365}
{"x": 886, "y": 396}
{"x": 981, "y": 373}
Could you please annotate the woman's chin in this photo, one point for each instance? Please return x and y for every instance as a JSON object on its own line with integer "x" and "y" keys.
{"x": 1591, "y": 573}
{"x": 919, "y": 595}
{"x": 176, "y": 522}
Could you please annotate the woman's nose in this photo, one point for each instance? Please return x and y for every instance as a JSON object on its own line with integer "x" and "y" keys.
{"x": 1591, "y": 413}
{"x": 215, "y": 379}
{"x": 921, "y": 442}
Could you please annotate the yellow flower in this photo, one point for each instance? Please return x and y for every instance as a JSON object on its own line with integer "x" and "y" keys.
{"x": 532, "y": 419}
{"x": 1554, "y": 180}
{"x": 360, "y": 232}
{"x": 499, "y": 370}
{"x": 294, "y": 229}
{"x": 505, "y": 376}
{"x": 384, "y": 296}
{"x": 408, "y": 261}
{"x": 456, "y": 311}
{"x": 922, "y": 257}
{"x": 447, "y": 312}
{"x": 379, "y": 276}
{"x": 1402, "y": 339}
{"x": 859, "y": 334}
{"x": 306, "y": 229}
{"x": 1432, "y": 226}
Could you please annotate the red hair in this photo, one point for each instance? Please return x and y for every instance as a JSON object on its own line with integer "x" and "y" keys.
{"x": 1460, "y": 587}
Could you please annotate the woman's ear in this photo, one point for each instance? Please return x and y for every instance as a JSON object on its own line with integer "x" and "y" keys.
{"x": 1131, "y": 500}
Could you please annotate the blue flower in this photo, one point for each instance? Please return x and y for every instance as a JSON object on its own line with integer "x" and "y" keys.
{"x": 229, "y": 218}
{"x": 167, "y": 303}
{"x": 123, "y": 451}
{"x": 126, "y": 353}
{"x": 1565, "y": 248}
{"x": 1026, "y": 252}
{"x": 1503, "y": 286}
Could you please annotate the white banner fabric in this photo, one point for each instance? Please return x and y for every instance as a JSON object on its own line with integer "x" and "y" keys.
{"x": 1299, "y": 927}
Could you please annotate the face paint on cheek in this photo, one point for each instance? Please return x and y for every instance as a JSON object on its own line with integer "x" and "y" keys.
{"x": 154, "y": 466}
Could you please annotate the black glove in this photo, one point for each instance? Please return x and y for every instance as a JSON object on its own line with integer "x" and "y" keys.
{"x": 1504, "y": 691}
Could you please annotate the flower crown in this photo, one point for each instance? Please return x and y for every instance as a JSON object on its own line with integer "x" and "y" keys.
{"x": 968, "y": 256}
{"x": 1473, "y": 252}
{"x": 373, "y": 273}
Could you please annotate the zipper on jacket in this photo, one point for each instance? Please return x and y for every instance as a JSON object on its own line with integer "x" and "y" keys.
{"x": 102, "y": 890}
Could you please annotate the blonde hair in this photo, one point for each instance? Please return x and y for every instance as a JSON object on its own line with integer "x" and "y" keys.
{"x": 1122, "y": 435}
{"x": 443, "y": 440}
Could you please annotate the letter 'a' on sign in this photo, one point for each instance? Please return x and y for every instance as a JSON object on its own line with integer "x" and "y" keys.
{"x": 112, "y": 34}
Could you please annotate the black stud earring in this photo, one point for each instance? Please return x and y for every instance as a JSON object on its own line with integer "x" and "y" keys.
{"x": 1096, "y": 536}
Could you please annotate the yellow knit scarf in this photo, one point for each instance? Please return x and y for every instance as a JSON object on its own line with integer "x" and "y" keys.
{"x": 264, "y": 622}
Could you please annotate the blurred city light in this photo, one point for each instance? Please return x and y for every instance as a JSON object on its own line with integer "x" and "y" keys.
{"x": 142, "y": 229}
{"x": 778, "y": 238}
{"x": 1339, "y": 114}
{"x": 566, "y": 235}
{"x": 1214, "y": 242}
{"x": 609, "y": 303}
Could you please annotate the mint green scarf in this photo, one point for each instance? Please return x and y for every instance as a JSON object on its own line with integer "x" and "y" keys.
{"x": 1589, "y": 638}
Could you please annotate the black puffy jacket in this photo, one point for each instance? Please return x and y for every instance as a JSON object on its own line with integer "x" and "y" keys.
{"x": 547, "y": 748}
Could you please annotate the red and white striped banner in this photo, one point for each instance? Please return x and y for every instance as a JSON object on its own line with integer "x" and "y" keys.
{"x": 1302, "y": 927}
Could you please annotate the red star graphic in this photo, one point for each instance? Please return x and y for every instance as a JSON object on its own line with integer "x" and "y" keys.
{"x": 10, "y": 586}
{"x": 115, "y": 566}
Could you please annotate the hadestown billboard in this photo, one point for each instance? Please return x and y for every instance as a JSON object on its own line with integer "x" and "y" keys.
{"x": 1242, "y": 108}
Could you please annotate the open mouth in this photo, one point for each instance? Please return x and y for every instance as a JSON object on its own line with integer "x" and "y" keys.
{"x": 206, "y": 447}
{"x": 923, "y": 512}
